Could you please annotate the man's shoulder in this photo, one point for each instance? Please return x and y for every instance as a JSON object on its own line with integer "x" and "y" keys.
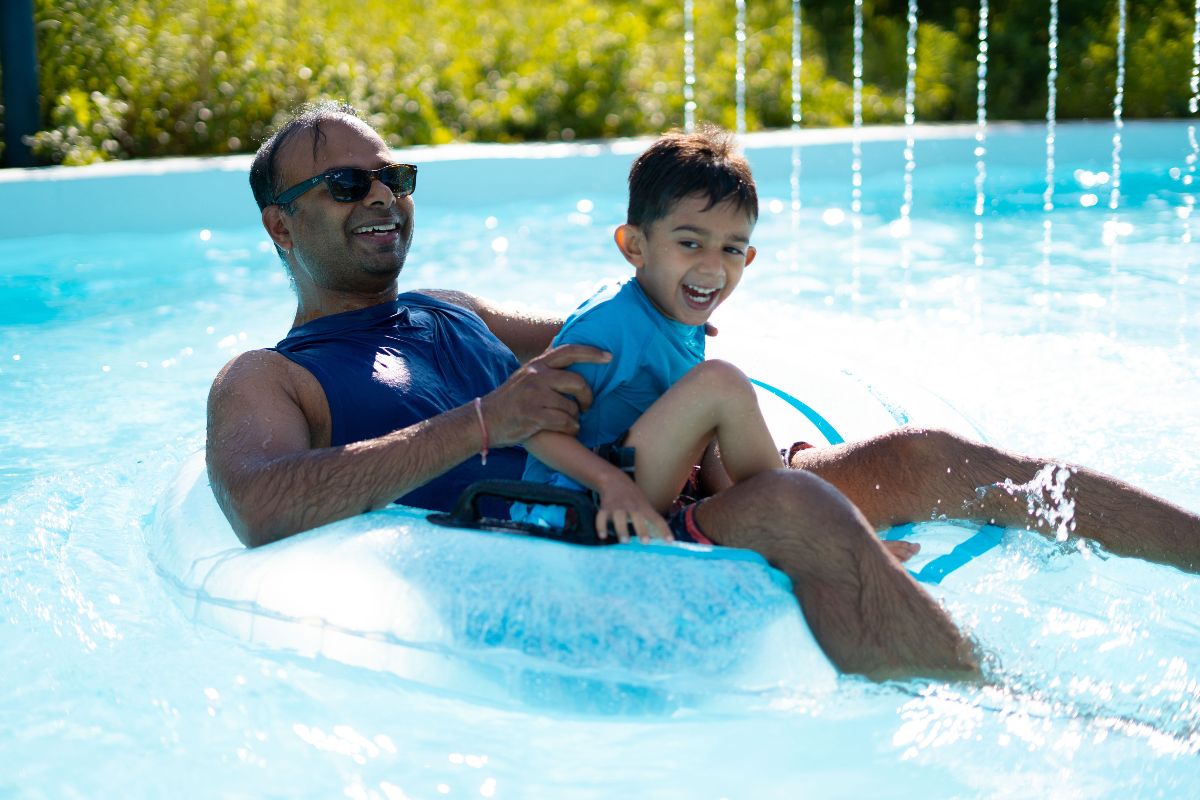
{"x": 258, "y": 369}
{"x": 266, "y": 379}
{"x": 446, "y": 298}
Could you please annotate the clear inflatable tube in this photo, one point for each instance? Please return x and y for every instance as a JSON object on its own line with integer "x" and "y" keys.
{"x": 510, "y": 618}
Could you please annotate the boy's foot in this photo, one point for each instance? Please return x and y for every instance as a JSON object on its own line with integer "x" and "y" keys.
{"x": 791, "y": 451}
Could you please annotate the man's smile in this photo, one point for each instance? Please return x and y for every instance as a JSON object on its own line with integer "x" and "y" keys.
{"x": 391, "y": 226}
{"x": 379, "y": 232}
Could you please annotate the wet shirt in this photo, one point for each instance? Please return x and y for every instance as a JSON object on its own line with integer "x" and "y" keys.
{"x": 650, "y": 353}
{"x": 392, "y": 365}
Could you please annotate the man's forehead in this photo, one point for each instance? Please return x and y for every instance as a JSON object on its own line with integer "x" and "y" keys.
{"x": 334, "y": 141}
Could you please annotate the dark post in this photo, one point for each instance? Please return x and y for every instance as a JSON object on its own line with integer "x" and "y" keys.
{"x": 18, "y": 59}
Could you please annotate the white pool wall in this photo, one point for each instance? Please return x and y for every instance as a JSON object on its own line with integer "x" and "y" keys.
{"x": 214, "y": 193}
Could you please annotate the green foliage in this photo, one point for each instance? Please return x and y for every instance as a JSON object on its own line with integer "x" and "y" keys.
{"x": 147, "y": 78}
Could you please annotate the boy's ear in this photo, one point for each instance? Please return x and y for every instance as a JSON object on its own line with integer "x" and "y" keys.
{"x": 276, "y": 223}
{"x": 751, "y": 252}
{"x": 632, "y": 244}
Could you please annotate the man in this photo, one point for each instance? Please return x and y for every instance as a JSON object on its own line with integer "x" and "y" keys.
{"x": 289, "y": 448}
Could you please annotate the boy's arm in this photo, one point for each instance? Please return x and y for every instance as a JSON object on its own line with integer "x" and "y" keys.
{"x": 621, "y": 501}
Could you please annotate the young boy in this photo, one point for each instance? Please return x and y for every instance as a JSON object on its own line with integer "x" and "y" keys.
{"x": 692, "y": 208}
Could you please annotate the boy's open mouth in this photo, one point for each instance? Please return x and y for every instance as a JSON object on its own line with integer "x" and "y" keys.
{"x": 699, "y": 297}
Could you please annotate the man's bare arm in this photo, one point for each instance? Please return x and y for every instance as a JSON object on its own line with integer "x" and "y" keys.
{"x": 273, "y": 478}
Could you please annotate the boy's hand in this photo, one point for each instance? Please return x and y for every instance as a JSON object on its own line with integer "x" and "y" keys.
{"x": 624, "y": 505}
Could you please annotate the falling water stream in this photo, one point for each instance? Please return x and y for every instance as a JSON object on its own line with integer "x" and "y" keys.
{"x": 856, "y": 166}
{"x": 910, "y": 161}
{"x": 689, "y": 65}
{"x": 1114, "y": 194}
{"x": 797, "y": 116}
{"x": 740, "y": 69}
{"x": 981, "y": 130}
{"x": 1114, "y": 228}
{"x": 1187, "y": 178}
{"x": 1051, "y": 130}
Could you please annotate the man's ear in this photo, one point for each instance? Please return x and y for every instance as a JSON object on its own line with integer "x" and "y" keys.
{"x": 750, "y": 254}
{"x": 632, "y": 244}
{"x": 278, "y": 227}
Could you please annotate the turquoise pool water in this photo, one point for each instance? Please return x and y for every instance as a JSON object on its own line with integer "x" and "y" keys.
{"x": 123, "y": 290}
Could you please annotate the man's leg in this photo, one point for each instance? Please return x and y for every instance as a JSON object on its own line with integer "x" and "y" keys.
{"x": 866, "y": 612}
{"x": 910, "y": 475}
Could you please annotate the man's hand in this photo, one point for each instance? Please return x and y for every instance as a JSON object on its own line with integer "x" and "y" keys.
{"x": 541, "y": 396}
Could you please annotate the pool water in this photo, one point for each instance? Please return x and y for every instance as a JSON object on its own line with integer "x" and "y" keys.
{"x": 1073, "y": 333}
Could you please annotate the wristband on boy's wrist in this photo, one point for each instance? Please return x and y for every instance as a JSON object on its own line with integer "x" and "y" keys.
{"x": 483, "y": 451}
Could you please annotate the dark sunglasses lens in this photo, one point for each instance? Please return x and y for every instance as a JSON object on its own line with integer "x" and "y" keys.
{"x": 401, "y": 179}
{"x": 349, "y": 185}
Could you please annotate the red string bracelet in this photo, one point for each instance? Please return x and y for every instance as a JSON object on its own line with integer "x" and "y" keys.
{"x": 483, "y": 451}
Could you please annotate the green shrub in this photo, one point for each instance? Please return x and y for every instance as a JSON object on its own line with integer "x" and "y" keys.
{"x": 148, "y": 78}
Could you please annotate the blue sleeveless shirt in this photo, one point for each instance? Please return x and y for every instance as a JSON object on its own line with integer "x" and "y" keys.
{"x": 395, "y": 364}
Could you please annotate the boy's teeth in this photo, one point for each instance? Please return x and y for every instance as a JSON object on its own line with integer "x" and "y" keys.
{"x": 374, "y": 228}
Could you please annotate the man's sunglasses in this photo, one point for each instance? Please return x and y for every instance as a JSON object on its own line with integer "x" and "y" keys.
{"x": 351, "y": 184}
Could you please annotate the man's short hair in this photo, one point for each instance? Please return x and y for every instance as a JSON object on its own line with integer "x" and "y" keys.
{"x": 264, "y": 172}
{"x": 679, "y": 164}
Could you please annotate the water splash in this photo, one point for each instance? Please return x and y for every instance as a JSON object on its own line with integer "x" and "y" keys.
{"x": 1046, "y": 498}
{"x": 740, "y": 70}
{"x": 797, "y": 115}
{"x": 689, "y": 65}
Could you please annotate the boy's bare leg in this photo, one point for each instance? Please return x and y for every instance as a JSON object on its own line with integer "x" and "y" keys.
{"x": 915, "y": 474}
{"x": 866, "y": 612}
{"x": 713, "y": 399}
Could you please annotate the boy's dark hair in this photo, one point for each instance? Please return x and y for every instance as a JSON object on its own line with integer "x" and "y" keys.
{"x": 264, "y": 176}
{"x": 679, "y": 164}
